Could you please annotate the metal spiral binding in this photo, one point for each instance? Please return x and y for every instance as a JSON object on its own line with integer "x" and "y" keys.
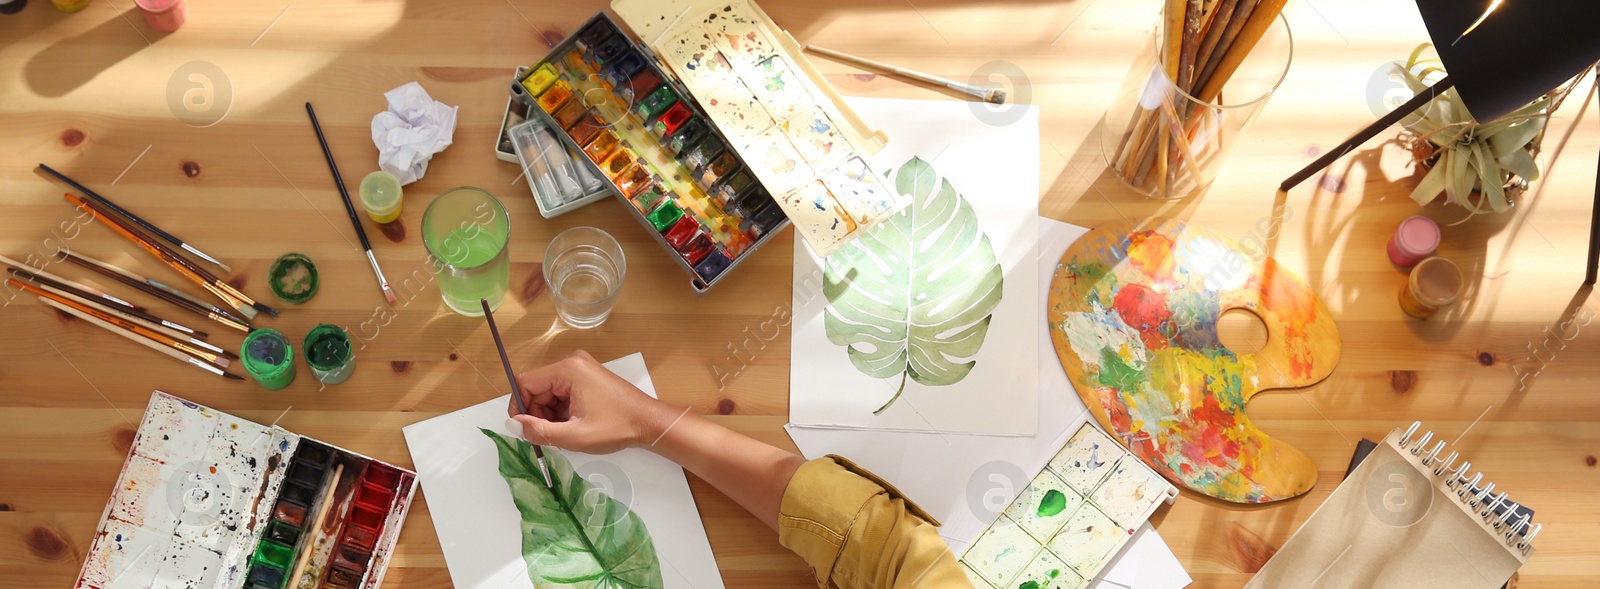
{"x": 1511, "y": 509}
{"x": 1444, "y": 465}
{"x": 1405, "y": 440}
{"x": 1484, "y": 501}
{"x": 1462, "y": 492}
{"x": 1527, "y": 540}
{"x": 1459, "y": 474}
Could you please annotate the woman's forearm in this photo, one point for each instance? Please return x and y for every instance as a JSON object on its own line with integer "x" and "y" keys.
{"x": 751, "y": 472}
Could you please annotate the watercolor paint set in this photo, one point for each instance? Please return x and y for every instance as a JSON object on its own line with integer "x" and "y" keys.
{"x": 715, "y": 129}
{"x": 207, "y": 499}
{"x": 1064, "y": 527}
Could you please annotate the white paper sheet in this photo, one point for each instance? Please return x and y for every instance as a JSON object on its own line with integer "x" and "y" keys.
{"x": 995, "y": 168}
{"x": 1145, "y": 563}
{"x": 478, "y": 524}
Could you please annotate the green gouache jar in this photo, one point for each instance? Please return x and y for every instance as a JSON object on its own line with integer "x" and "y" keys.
{"x": 329, "y": 353}
{"x": 268, "y": 357}
{"x": 293, "y": 278}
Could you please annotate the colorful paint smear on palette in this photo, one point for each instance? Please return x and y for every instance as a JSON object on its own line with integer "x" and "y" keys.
{"x": 1069, "y": 520}
{"x": 206, "y": 499}
{"x": 1133, "y": 311}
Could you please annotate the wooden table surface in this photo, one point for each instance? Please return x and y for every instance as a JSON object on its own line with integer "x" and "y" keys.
{"x": 96, "y": 94}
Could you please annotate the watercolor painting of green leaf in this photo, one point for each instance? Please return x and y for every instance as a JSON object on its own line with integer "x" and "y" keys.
{"x": 574, "y": 535}
{"x": 914, "y": 296}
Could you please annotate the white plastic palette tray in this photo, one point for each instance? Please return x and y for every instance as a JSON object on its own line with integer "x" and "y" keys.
{"x": 1068, "y": 522}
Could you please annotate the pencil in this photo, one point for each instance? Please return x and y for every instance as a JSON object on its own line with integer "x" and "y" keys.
{"x": 316, "y": 524}
{"x": 26, "y": 275}
{"x": 160, "y": 335}
{"x": 78, "y": 285}
{"x": 992, "y": 95}
{"x": 349, "y": 208}
{"x": 156, "y": 250}
{"x": 135, "y": 218}
{"x": 180, "y": 356}
{"x": 172, "y": 295}
{"x": 516, "y": 395}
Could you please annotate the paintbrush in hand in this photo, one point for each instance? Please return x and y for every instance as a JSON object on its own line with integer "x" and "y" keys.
{"x": 349, "y": 208}
{"x": 516, "y": 392}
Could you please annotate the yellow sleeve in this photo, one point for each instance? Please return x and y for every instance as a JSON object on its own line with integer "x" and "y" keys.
{"x": 857, "y": 531}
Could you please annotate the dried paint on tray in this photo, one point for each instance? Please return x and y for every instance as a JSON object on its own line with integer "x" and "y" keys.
{"x": 865, "y": 195}
{"x": 779, "y": 167}
{"x": 1086, "y": 459}
{"x": 739, "y": 35}
{"x": 697, "y": 59}
{"x": 1082, "y": 508}
{"x": 817, "y": 138}
{"x": 737, "y": 112}
{"x": 778, "y": 87}
{"x": 1044, "y": 506}
{"x": 1130, "y": 493}
{"x": 1049, "y": 572}
{"x": 1001, "y": 552}
{"x": 1087, "y": 540}
{"x": 817, "y": 216}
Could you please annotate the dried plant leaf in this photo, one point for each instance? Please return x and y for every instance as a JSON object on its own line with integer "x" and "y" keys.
{"x": 1432, "y": 184}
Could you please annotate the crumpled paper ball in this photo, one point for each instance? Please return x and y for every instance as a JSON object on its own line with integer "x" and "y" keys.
{"x": 413, "y": 129}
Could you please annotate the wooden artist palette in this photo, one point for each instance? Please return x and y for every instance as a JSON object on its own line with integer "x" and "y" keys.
{"x": 1133, "y": 313}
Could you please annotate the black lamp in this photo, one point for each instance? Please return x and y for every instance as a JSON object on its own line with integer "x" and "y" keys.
{"x": 1499, "y": 55}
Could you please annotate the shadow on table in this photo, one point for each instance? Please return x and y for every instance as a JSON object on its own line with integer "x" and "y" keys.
{"x": 68, "y": 65}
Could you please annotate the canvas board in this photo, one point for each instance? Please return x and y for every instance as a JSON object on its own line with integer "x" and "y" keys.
{"x": 479, "y": 525}
{"x": 942, "y": 298}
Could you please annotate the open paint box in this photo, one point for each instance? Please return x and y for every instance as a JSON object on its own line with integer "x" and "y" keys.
{"x": 206, "y": 499}
{"x": 714, "y": 128}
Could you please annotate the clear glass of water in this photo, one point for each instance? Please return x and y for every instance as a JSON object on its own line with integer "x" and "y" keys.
{"x": 466, "y": 231}
{"x": 583, "y": 269}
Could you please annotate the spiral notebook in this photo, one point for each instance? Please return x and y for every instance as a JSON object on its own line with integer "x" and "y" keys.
{"x": 1407, "y": 517}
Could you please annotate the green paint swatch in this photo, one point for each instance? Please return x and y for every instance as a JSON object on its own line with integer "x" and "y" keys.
{"x": 1052, "y": 504}
{"x": 1029, "y": 585}
{"x": 275, "y": 554}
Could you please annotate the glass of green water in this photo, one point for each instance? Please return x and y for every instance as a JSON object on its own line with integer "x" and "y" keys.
{"x": 467, "y": 231}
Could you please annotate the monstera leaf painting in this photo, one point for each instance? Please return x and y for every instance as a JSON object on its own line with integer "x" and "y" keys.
{"x": 574, "y": 535}
{"x": 914, "y": 296}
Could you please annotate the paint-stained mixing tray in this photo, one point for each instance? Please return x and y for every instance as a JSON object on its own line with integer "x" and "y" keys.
{"x": 206, "y": 499}
{"x": 1063, "y": 527}
{"x": 715, "y": 129}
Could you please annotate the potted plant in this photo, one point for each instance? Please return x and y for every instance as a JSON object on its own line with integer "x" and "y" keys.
{"x": 1479, "y": 166}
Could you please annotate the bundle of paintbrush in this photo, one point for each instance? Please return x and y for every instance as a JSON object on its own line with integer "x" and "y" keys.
{"x": 134, "y": 229}
{"x": 1172, "y": 141}
{"x": 136, "y": 323}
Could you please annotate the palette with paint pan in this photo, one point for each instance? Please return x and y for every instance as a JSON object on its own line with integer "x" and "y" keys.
{"x": 779, "y": 112}
{"x": 206, "y": 499}
{"x": 725, "y": 133}
{"x": 1065, "y": 525}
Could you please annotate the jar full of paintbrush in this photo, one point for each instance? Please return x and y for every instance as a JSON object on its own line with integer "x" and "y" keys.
{"x": 1207, "y": 69}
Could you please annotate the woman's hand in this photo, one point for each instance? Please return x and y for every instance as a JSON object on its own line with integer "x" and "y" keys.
{"x": 577, "y": 404}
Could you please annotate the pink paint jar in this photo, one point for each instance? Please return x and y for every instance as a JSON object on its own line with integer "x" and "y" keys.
{"x": 164, "y": 16}
{"x": 1415, "y": 239}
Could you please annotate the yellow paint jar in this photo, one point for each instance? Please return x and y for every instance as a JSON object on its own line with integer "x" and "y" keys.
{"x": 1435, "y": 283}
{"x": 381, "y": 196}
{"x": 70, "y": 5}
